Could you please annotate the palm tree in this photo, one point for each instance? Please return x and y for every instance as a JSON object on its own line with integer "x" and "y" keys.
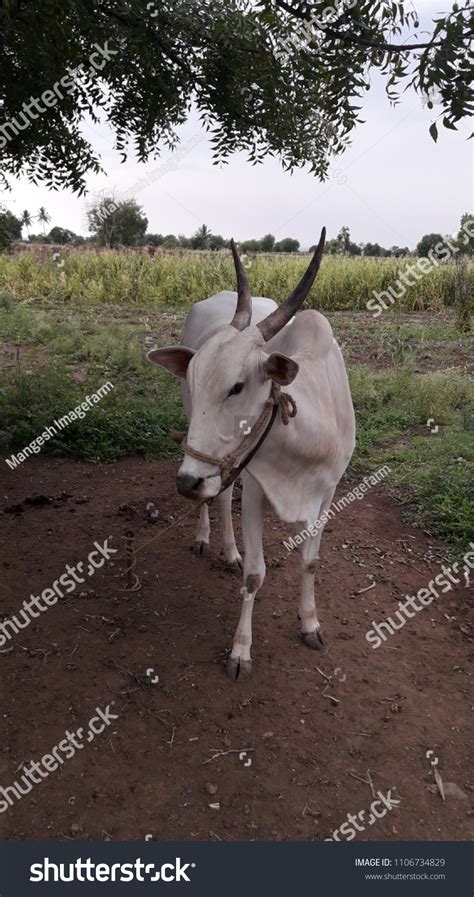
{"x": 201, "y": 237}
{"x": 44, "y": 217}
{"x": 26, "y": 221}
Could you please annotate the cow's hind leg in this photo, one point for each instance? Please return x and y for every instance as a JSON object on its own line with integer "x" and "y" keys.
{"x": 239, "y": 665}
{"x": 230, "y": 547}
{"x": 310, "y": 625}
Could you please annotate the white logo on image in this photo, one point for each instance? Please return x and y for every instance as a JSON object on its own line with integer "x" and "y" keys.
{"x": 243, "y": 423}
{"x": 241, "y": 757}
{"x": 433, "y": 762}
{"x": 57, "y": 255}
{"x": 341, "y": 678}
{"x": 153, "y": 679}
{"x": 339, "y": 175}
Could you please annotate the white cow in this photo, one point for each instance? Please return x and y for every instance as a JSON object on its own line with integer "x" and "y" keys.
{"x": 232, "y": 371}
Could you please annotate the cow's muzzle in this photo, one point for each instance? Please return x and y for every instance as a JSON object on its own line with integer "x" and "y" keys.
{"x": 189, "y": 485}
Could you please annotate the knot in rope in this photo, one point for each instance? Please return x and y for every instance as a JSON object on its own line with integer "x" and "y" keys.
{"x": 287, "y": 406}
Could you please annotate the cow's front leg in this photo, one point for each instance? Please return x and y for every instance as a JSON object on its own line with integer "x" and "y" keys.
{"x": 201, "y": 542}
{"x": 310, "y": 625}
{"x": 239, "y": 665}
{"x": 230, "y": 547}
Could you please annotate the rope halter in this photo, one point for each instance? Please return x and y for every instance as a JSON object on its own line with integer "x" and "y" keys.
{"x": 228, "y": 465}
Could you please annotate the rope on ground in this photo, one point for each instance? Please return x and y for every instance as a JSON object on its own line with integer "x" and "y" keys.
{"x": 133, "y": 581}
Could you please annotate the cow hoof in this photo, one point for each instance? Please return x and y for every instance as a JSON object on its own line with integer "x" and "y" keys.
{"x": 200, "y": 549}
{"x": 236, "y": 565}
{"x": 314, "y": 640}
{"x": 238, "y": 670}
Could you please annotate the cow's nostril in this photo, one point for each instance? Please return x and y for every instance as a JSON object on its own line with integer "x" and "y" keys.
{"x": 188, "y": 485}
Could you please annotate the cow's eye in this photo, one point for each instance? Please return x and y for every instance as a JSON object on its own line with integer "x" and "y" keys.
{"x": 237, "y": 387}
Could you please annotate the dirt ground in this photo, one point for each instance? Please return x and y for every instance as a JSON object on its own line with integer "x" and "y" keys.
{"x": 312, "y": 724}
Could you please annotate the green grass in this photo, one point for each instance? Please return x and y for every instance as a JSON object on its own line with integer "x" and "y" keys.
{"x": 392, "y": 403}
{"x": 435, "y": 470}
{"x": 437, "y": 476}
{"x": 123, "y": 423}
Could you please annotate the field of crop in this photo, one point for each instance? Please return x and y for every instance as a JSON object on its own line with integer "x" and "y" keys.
{"x": 172, "y": 279}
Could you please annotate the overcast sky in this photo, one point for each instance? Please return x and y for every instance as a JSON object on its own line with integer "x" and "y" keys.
{"x": 393, "y": 184}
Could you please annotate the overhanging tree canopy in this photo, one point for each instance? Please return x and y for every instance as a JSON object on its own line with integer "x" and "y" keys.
{"x": 262, "y": 79}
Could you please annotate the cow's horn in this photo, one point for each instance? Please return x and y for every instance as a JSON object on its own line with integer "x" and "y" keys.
{"x": 278, "y": 318}
{"x": 243, "y": 311}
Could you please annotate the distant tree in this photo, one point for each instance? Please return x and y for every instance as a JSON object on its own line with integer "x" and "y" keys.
{"x": 398, "y": 252}
{"x": 465, "y": 238}
{"x": 200, "y": 240}
{"x": 132, "y": 223}
{"x": 153, "y": 239}
{"x": 287, "y": 245}
{"x": 250, "y": 246}
{"x": 61, "y": 235}
{"x": 170, "y": 242}
{"x": 331, "y": 247}
{"x": 374, "y": 249}
{"x": 10, "y": 228}
{"x": 44, "y": 217}
{"x": 116, "y": 222}
{"x": 426, "y": 243}
{"x": 217, "y": 242}
{"x": 38, "y": 238}
{"x": 103, "y": 220}
{"x": 26, "y": 221}
{"x": 267, "y": 243}
{"x": 354, "y": 249}
{"x": 344, "y": 238}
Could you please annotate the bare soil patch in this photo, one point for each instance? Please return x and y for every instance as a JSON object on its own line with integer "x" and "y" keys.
{"x": 313, "y": 734}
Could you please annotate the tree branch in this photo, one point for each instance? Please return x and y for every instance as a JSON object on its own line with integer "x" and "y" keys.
{"x": 358, "y": 39}
{"x": 126, "y": 20}
{"x": 393, "y": 48}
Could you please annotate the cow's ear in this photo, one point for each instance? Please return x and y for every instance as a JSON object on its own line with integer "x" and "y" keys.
{"x": 280, "y": 368}
{"x": 173, "y": 358}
